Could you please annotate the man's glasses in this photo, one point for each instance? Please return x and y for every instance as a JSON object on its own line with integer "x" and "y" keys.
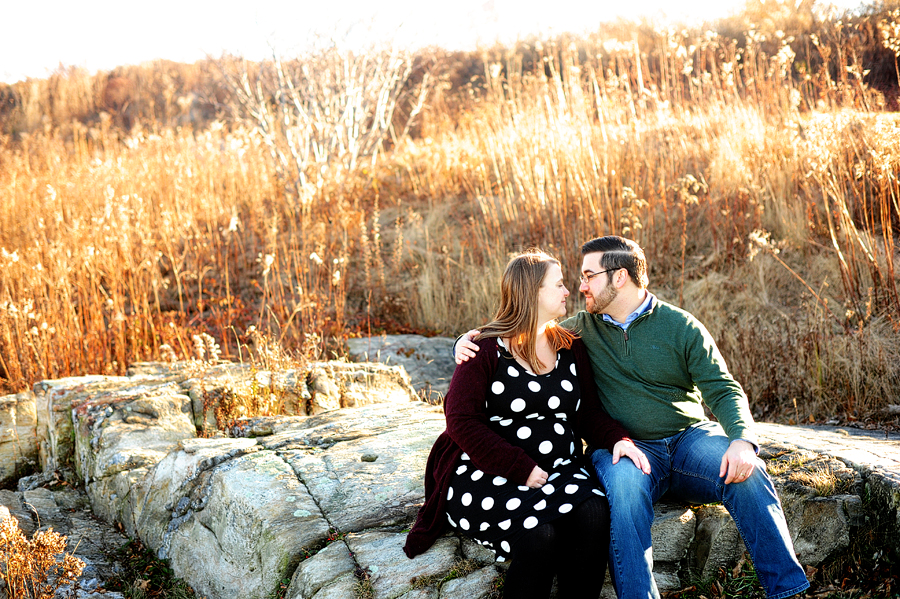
{"x": 585, "y": 279}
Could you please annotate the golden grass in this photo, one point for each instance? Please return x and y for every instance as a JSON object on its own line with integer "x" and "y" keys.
{"x": 762, "y": 186}
{"x": 813, "y": 471}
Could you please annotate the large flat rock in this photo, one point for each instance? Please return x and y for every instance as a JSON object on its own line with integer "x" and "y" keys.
{"x": 372, "y": 479}
{"x": 177, "y": 484}
{"x": 251, "y": 530}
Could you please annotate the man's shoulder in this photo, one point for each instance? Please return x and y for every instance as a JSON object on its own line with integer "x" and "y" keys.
{"x": 673, "y": 317}
{"x": 583, "y": 323}
{"x": 666, "y": 310}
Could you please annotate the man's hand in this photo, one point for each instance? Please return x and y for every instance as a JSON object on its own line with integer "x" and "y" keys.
{"x": 537, "y": 478}
{"x": 465, "y": 348}
{"x": 738, "y": 462}
{"x": 628, "y": 449}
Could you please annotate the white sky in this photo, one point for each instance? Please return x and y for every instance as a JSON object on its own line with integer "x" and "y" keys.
{"x": 39, "y": 35}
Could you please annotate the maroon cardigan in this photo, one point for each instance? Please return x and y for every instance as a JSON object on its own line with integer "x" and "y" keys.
{"x": 468, "y": 430}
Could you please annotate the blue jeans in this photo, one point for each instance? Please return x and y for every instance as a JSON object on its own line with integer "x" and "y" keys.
{"x": 686, "y": 466}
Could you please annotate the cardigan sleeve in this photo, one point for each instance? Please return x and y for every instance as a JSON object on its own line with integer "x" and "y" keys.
{"x": 467, "y": 420}
{"x": 431, "y": 521}
{"x": 593, "y": 423}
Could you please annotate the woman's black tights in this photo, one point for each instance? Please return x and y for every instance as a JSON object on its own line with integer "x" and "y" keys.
{"x": 574, "y": 547}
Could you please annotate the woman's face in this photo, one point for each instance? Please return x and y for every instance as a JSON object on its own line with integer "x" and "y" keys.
{"x": 552, "y": 295}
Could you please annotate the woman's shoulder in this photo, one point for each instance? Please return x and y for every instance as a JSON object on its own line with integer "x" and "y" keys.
{"x": 578, "y": 342}
{"x": 578, "y": 347}
{"x": 486, "y": 342}
{"x": 485, "y": 357}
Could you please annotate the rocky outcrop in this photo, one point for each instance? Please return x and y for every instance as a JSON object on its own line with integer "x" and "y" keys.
{"x": 321, "y": 496}
{"x": 242, "y": 503}
{"x": 18, "y": 436}
{"x": 428, "y": 360}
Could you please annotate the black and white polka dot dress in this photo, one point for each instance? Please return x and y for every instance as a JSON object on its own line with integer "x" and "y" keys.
{"x": 532, "y": 412}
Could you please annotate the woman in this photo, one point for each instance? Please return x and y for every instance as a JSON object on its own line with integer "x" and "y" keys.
{"x": 507, "y": 471}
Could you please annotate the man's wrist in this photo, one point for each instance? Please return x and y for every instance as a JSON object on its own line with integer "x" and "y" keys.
{"x": 455, "y": 343}
{"x": 751, "y": 443}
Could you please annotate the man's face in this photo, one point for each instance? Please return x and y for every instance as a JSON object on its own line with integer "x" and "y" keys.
{"x": 598, "y": 292}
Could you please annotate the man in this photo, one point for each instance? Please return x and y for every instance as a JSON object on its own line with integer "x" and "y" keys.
{"x": 653, "y": 364}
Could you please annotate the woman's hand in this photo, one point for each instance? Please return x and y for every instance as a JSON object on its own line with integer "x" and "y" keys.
{"x": 536, "y": 479}
{"x": 628, "y": 449}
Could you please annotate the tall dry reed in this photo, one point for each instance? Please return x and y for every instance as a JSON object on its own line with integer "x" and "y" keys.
{"x": 696, "y": 161}
{"x": 109, "y": 254}
{"x": 359, "y": 193}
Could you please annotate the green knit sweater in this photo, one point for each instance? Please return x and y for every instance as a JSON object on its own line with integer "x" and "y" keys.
{"x": 653, "y": 376}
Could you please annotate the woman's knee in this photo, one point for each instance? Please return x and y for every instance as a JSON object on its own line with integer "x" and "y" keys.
{"x": 590, "y": 518}
{"x": 537, "y": 542}
{"x": 591, "y": 514}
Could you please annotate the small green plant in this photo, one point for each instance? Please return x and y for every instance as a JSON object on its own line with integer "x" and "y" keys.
{"x": 496, "y": 591}
{"x": 144, "y": 575}
{"x": 308, "y": 552}
{"x": 459, "y": 569}
{"x": 334, "y": 535}
{"x": 364, "y": 588}
{"x": 281, "y": 590}
{"x": 739, "y": 582}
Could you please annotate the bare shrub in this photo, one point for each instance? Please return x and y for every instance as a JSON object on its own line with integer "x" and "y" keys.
{"x": 35, "y": 568}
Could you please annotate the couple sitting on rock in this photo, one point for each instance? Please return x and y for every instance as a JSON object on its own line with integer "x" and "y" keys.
{"x": 627, "y": 375}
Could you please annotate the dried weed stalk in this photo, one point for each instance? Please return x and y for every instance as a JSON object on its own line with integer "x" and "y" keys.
{"x": 36, "y": 568}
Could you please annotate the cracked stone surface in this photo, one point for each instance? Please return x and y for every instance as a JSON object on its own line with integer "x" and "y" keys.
{"x": 391, "y": 572}
{"x": 373, "y": 479}
{"x": 251, "y": 528}
{"x": 331, "y": 564}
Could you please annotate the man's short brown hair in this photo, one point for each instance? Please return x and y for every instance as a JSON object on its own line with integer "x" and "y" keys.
{"x": 619, "y": 252}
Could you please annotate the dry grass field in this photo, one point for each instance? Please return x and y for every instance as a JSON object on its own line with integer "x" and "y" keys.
{"x": 166, "y": 210}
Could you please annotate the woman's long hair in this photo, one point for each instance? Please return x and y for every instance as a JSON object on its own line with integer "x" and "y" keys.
{"x": 516, "y": 319}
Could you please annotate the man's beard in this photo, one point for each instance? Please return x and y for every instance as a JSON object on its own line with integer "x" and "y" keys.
{"x": 600, "y": 303}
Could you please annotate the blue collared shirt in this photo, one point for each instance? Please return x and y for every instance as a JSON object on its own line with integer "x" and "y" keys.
{"x": 645, "y": 305}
